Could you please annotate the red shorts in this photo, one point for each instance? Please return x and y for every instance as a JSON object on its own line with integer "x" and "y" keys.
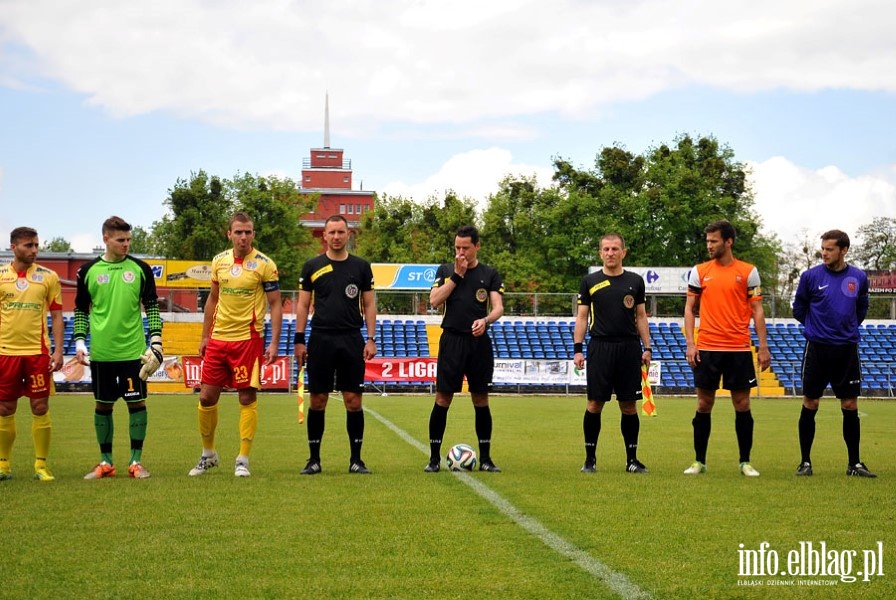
{"x": 233, "y": 364}
{"x": 26, "y": 376}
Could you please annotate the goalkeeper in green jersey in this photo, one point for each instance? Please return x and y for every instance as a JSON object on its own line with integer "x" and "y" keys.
{"x": 111, "y": 289}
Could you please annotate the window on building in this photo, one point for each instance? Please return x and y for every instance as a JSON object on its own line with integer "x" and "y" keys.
{"x": 342, "y": 209}
{"x": 345, "y": 179}
{"x": 307, "y": 178}
{"x": 350, "y": 208}
{"x": 358, "y": 208}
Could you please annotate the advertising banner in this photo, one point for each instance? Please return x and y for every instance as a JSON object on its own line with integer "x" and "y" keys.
{"x": 275, "y": 376}
{"x": 400, "y": 369}
{"x": 403, "y": 277}
{"x": 181, "y": 273}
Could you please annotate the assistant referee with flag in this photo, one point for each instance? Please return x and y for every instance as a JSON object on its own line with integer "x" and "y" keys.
{"x": 611, "y": 301}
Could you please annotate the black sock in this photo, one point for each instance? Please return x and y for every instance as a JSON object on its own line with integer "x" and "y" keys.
{"x": 807, "y": 432}
{"x": 702, "y": 428}
{"x": 484, "y": 432}
{"x": 438, "y": 420}
{"x": 743, "y": 427}
{"x": 354, "y": 424}
{"x": 630, "y": 425}
{"x": 852, "y": 433}
{"x": 591, "y": 425}
{"x": 315, "y": 432}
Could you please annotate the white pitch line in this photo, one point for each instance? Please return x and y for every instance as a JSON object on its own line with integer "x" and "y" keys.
{"x": 617, "y": 582}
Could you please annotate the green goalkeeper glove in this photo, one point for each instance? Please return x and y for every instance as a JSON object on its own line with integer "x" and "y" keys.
{"x": 152, "y": 358}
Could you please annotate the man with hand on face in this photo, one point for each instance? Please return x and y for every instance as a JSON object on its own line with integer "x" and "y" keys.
{"x": 471, "y": 293}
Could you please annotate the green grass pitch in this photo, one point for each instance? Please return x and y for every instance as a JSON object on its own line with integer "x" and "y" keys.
{"x": 401, "y": 533}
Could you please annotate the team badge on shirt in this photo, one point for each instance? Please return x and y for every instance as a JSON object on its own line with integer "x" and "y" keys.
{"x": 481, "y": 295}
{"x": 351, "y": 291}
{"x": 128, "y": 276}
{"x": 628, "y": 301}
{"x": 235, "y": 270}
{"x": 21, "y": 284}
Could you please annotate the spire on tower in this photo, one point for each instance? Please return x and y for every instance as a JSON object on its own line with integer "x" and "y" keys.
{"x": 327, "y": 120}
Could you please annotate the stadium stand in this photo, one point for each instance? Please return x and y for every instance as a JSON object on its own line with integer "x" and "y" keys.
{"x": 551, "y": 339}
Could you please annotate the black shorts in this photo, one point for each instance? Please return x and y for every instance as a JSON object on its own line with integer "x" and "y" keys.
{"x": 838, "y": 365}
{"x": 614, "y": 367}
{"x": 117, "y": 379}
{"x": 464, "y": 354}
{"x": 335, "y": 361}
{"x": 734, "y": 368}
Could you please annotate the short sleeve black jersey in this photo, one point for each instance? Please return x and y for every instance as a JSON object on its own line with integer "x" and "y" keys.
{"x": 612, "y": 301}
{"x": 337, "y": 286}
{"x": 469, "y": 300}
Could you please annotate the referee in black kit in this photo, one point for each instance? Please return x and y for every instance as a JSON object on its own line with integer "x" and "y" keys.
{"x": 465, "y": 288}
{"x": 344, "y": 301}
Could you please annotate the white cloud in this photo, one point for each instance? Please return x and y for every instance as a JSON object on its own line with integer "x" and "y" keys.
{"x": 474, "y": 174}
{"x": 85, "y": 242}
{"x": 267, "y": 64}
{"x": 793, "y": 200}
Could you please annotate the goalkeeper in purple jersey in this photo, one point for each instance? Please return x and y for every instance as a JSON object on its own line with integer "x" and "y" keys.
{"x": 831, "y": 302}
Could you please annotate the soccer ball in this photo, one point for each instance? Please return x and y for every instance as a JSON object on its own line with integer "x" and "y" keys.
{"x": 461, "y": 457}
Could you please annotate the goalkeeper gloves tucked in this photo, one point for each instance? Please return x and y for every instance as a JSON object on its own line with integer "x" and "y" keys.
{"x": 152, "y": 358}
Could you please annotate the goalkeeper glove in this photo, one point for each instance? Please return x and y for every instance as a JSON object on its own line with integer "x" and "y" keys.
{"x": 152, "y": 358}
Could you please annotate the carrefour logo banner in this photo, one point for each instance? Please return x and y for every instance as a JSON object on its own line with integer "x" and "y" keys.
{"x": 403, "y": 277}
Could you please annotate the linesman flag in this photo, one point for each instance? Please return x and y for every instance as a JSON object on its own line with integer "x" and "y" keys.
{"x": 648, "y": 408}
{"x": 300, "y": 387}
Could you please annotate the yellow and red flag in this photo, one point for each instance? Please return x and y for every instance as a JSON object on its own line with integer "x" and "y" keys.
{"x": 300, "y": 387}
{"x": 648, "y": 408}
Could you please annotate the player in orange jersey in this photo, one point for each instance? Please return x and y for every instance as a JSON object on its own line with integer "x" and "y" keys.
{"x": 729, "y": 294}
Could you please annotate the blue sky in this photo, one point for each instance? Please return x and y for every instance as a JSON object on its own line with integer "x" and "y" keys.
{"x": 107, "y": 104}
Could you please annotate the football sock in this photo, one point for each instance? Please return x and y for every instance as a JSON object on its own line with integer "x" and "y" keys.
{"x": 702, "y": 428}
{"x": 484, "y": 432}
{"x": 743, "y": 427}
{"x": 105, "y": 428}
{"x": 851, "y": 434}
{"x": 41, "y": 428}
{"x": 208, "y": 423}
{"x": 807, "y": 432}
{"x": 630, "y": 425}
{"x": 354, "y": 425}
{"x": 7, "y": 438}
{"x": 137, "y": 419}
{"x": 248, "y": 426}
{"x": 591, "y": 426}
{"x": 316, "y": 424}
{"x": 438, "y": 420}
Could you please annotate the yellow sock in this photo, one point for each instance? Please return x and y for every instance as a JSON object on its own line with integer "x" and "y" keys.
{"x": 208, "y": 422}
{"x": 7, "y": 437}
{"x": 248, "y": 426}
{"x": 41, "y": 428}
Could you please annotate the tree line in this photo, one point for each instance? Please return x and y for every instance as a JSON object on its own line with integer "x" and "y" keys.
{"x": 541, "y": 238}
